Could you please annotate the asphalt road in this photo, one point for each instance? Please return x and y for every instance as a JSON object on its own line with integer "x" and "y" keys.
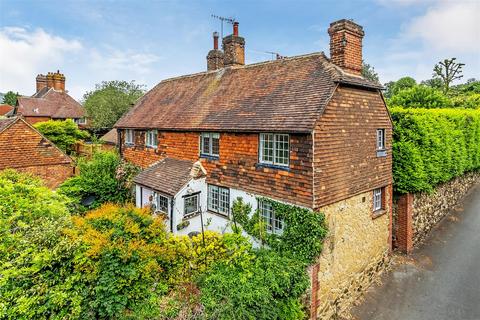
{"x": 441, "y": 280}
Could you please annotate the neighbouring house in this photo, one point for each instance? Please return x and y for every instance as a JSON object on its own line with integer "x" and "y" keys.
{"x": 306, "y": 130}
{"x": 50, "y": 102}
{"x": 110, "y": 139}
{"x": 6, "y": 110}
{"x": 24, "y": 148}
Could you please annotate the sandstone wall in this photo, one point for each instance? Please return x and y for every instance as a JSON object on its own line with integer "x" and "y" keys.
{"x": 354, "y": 254}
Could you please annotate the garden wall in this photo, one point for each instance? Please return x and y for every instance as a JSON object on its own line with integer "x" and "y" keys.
{"x": 415, "y": 214}
{"x": 355, "y": 252}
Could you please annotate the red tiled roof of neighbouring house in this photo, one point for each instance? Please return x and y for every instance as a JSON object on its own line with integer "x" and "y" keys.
{"x": 4, "y": 123}
{"x": 110, "y": 137}
{"x": 285, "y": 95}
{"x": 169, "y": 175}
{"x": 50, "y": 103}
{"x": 5, "y": 109}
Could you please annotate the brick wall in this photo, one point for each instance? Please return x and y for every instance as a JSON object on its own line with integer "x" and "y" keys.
{"x": 24, "y": 149}
{"x": 237, "y": 166}
{"x": 345, "y": 157}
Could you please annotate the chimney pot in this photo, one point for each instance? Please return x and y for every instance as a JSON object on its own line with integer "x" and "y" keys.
{"x": 215, "y": 40}
{"x": 235, "y": 29}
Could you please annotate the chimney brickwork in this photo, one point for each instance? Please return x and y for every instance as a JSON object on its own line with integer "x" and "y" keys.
{"x": 59, "y": 81}
{"x": 234, "y": 48}
{"x": 41, "y": 81}
{"x": 51, "y": 80}
{"x": 215, "y": 56}
{"x": 346, "y": 45}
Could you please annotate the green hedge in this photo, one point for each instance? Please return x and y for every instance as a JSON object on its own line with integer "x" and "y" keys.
{"x": 431, "y": 146}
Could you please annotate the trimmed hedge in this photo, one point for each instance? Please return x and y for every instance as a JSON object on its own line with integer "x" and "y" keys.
{"x": 431, "y": 146}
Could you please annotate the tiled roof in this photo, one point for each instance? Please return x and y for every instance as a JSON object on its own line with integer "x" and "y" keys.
{"x": 283, "y": 95}
{"x": 50, "y": 103}
{"x": 169, "y": 175}
{"x": 110, "y": 137}
{"x": 4, "y": 123}
{"x": 5, "y": 109}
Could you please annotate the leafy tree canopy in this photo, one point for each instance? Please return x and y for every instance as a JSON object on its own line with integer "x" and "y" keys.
{"x": 420, "y": 96}
{"x": 369, "y": 72}
{"x": 63, "y": 134}
{"x": 110, "y": 100}
{"x": 393, "y": 87}
{"x": 10, "y": 98}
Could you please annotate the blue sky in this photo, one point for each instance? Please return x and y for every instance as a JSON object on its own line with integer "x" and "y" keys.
{"x": 147, "y": 41}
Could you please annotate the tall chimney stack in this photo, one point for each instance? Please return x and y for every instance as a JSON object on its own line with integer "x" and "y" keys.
{"x": 346, "y": 45}
{"x": 50, "y": 80}
{"x": 41, "y": 81}
{"x": 59, "y": 81}
{"x": 215, "y": 57}
{"x": 234, "y": 48}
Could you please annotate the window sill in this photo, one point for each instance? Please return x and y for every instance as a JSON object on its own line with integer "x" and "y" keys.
{"x": 209, "y": 157}
{"x": 221, "y": 215}
{"x": 190, "y": 215}
{"x": 378, "y": 213}
{"x": 151, "y": 147}
{"x": 272, "y": 166}
{"x": 381, "y": 153}
{"x": 128, "y": 144}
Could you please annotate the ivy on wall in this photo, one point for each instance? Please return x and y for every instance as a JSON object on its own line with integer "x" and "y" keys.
{"x": 303, "y": 232}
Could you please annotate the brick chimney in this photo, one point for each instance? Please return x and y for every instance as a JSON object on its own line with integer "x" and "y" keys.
{"x": 41, "y": 82}
{"x": 50, "y": 80}
{"x": 59, "y": 81}
{"x": 215, "y": 56}
{"x": 346, "y": 45}
{"x": 234, "y": 48}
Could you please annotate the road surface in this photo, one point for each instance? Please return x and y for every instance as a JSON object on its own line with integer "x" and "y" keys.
{"x": 441, "y": 280}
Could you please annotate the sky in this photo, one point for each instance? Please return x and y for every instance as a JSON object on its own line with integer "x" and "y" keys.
{"x": 148, "y": 41}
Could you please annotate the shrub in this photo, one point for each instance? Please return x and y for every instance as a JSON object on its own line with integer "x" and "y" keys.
{"x": 268, "y": 288}
{"x": 105, "y": 177}
{"x": 63, "y": 134}
{"x": 433, "y": 146}
{"x": 420, "y": 96}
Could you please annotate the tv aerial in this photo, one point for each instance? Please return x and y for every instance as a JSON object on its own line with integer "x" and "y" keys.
{"x": 222, "y": 20}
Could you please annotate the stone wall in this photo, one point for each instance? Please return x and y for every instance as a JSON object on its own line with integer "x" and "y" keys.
{"x": 355, "y": 252}
{"x": 429, "y": 209}
{"x": 413, "y": 222}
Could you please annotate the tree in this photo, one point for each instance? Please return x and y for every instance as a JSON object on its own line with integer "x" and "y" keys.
{"x": 393, "y": 87}
{"x": 448, "y": 71}
{"x": 10, "y": 98}
{"x": 420, "y": 96}
{"x": 369, "y": 73}
{"x": 63, "y": 134}
{"x": 110, "y": 100}
{"x": 435, "y": 83}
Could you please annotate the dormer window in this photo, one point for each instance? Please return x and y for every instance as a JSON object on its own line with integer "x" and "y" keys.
{"x": 210, "y": 144}
{"x": 274, "y": 149}
{"x": 129, "y": 136}
{"x": 151, "y": 139}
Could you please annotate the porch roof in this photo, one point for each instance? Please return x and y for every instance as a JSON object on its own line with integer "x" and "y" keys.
{"x": 169, "y": 175}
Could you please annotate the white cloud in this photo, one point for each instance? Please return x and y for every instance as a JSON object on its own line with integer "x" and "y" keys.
{"x": 26, "y": 53}
{"x": 453, "y": 26}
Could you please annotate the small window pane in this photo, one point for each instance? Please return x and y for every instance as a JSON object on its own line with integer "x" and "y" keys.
{"x": 191, "y": 204}
{"x": 162, "y": 204}
{"x": 215, "y": 140}
{"x": 377, "y": 199}
{"x": 218, "y": 199}
{"x": 380, "y": 139}
{"x": 206, "y": 143}
{"x": 273, "y": 224}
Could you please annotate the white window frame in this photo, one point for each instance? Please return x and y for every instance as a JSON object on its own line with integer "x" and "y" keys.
{"x": 129, "y": 136}
{"x": 218, "y": 199}
{"x": 185, "y": 199}
{"x": 151, "y": 138}
{"x": 272, "y": 141}
{"x": 377, "y": 199}
{"x": 380, "y": 139}
{"x": 158, "y": 198}
{"x": 81, "y": 120}
{"x": 267, "y": 213}
{"x": 210, "y": 136}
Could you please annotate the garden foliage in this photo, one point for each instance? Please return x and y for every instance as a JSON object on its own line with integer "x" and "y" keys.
{"x": 431, "y": 146}
{"x": 63, "y": 134}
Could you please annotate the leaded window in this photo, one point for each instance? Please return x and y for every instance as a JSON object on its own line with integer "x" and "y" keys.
{"x": 190, "y": 204}
{"x": 210, "y": 144}
{"x": 129, "y": 136}
{"x": 380, "y": 139}
{"x": 218, "y": 199}
{"x": 274, "y": 225}
{"x": 161, "y": 202}
{"x": 377, "y": 199}
{"x": 151, "y": 138}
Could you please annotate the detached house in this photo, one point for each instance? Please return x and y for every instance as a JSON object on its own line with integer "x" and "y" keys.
{"x": 306, "y": 130}
{"x": 50, "y": 102}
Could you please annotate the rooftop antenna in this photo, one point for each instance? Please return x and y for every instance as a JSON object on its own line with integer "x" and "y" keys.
{"x": 222, "y": 19}
{"x": 275, "y": 55}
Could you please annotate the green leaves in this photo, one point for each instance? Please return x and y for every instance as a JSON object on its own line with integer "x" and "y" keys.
{"x": 63, "y": 134}
{"x": 110, "y": 100}
{"x": 433, "y": 146}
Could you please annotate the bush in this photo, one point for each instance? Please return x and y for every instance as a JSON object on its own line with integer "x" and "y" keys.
{"x": 268, "y": 288}
{"x": 63, "y": 134}
{"x": 420, "y": 96}
{"x": 433, "y": 146}
{"x": 105, "y": 177}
